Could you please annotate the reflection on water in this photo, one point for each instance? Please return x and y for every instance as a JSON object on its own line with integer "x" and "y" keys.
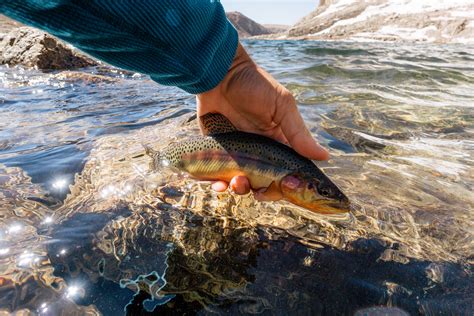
{"x": 399, "y": 123}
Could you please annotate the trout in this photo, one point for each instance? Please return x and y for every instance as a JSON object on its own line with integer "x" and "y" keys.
{"x": 226, "y": 152}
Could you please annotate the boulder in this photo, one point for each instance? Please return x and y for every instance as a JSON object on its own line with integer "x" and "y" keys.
{"x": 30, "y": 47}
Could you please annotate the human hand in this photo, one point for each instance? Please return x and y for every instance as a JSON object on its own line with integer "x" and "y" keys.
{"x": 255, "y": 102}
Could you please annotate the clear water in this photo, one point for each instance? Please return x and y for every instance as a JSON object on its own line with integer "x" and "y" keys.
{"x": 86, "y": 228}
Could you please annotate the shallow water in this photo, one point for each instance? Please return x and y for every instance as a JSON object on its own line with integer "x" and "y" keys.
{"x": 86, "y": 228}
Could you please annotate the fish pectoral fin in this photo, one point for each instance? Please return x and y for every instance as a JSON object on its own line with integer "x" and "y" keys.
{"x": 215, "y": 123}
{"x": 271, "y": 193}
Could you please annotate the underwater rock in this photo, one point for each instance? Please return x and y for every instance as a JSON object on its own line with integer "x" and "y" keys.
{"x": 33, "y": 48}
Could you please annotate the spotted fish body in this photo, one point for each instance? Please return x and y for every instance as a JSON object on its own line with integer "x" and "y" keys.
{"x": 223, "y": 156}
{"x": 227, "y": 153}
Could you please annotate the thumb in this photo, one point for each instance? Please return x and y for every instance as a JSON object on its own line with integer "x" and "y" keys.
{"x": 295, "y": 131}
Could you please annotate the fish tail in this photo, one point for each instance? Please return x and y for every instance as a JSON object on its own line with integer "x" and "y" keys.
{"x": 154, "y": 154}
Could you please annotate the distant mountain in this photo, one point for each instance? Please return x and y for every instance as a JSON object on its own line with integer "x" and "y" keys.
{"x": 389, "y": 20}
{"x": 246, "y": 26}
{"x": 276, "y": 28}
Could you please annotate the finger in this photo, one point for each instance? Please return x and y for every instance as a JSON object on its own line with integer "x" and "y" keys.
{"x": 240, "y": 185}
{"x": 219, "y": 186}
{"x": 278, "y": 135}
{"x": 299, "y": 137}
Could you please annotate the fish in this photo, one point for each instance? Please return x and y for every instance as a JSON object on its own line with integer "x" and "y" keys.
{"x": 272, "y": 168}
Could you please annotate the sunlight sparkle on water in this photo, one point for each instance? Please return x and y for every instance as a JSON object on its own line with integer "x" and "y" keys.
{"x": 15, "y": 228}
{"x": 113, "y": 191}
{"x": 107, "y": 191}
{"x": 74, "y": 291}
{"x": 48, "y": 220}
{"x": 4, "y": 251}
{"x": 60, "y": 183}
{"x": 26, "y": 259}
{"x": 43, "y": 308}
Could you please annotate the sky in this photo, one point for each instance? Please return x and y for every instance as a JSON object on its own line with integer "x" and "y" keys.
{"x": 286, "y": 12}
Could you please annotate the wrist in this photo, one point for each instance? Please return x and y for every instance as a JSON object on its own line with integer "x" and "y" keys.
{"x": 241, "y": 60}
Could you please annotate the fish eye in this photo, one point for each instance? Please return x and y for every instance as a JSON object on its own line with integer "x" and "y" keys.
{"x": 325, "y": 192}
{"x": 310, "y": 186}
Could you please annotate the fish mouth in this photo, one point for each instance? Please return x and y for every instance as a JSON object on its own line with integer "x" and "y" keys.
{"x": 323, "y": 206}
{"x": 329, "y": 206}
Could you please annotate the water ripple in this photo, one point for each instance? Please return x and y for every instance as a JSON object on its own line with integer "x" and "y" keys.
{"x": 85, "y": 228}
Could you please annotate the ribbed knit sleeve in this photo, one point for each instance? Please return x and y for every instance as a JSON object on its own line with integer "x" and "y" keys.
{"x": 185, "y": 43}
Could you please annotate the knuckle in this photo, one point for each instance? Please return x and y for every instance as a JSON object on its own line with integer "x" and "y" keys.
{"x": 285, "y": 104}
{"x": 285, "y": 98}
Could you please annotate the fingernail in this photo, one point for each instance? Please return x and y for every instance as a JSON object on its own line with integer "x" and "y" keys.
{"x": 219, "y": 186}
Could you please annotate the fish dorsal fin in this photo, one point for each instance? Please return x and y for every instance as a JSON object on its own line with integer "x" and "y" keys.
{"x": 216, "y": 123}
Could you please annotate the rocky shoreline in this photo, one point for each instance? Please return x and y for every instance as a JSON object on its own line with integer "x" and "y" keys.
{"x": 32, "y": 48}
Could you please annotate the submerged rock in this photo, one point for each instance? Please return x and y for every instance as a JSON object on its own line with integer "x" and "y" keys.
{"x": 30, "y": 47}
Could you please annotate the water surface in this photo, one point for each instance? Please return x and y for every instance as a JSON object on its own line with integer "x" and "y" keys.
{"x": 85, "y": 227}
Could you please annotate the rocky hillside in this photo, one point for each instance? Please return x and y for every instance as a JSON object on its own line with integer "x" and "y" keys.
{"x": 390, "y": 20}
{"x": 276, "y": 28}
{"x": 246, "y": 26}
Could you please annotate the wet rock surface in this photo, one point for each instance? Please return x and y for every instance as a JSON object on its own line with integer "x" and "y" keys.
{"x": 30, "y": 47}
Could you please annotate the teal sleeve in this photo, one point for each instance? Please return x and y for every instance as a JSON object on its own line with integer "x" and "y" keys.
{"x": 185, "y": 43}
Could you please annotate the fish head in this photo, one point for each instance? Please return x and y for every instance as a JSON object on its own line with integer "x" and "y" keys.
{"x": 317, "y": 195}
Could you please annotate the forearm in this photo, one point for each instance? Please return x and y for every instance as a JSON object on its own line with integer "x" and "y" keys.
{"x": 189, "y": 44}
